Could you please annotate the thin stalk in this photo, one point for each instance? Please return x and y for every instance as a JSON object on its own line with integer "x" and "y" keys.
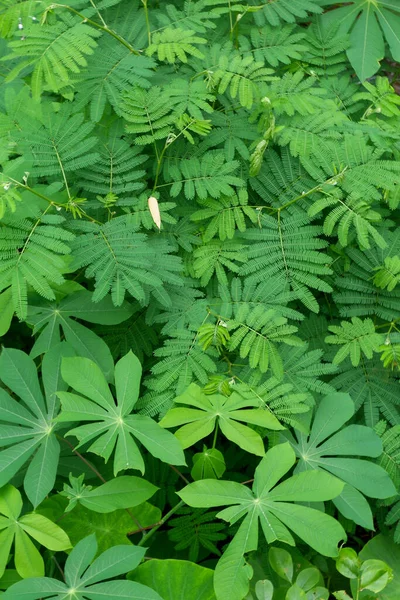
{"x": 146, "y": 15}
{"x": 99, "y": 475}
{"x": 215, "y": 435}
{"x": 103, "y": 28}
{"x": 169, "y": 514}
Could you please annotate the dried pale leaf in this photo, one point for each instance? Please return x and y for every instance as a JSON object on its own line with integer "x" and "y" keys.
{"x": 154, "y": 210}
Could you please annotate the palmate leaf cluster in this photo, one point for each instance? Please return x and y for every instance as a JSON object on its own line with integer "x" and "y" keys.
{"x": 199, "y": 295}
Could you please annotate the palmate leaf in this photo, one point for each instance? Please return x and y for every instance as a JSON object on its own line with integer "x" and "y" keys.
{"x": 122, "y": 260}
{"x": 110, "y": 70}
{"x": 274, "y": 507}
{"x": 288, "y": 246}
{"x": 27, "y": 429}
{"x": 209, "y": 411}
{"x": 88, "y": 577}
{"x": 174, "y": 43}
{"x": 328, "y": 447}
{"x": 54, "y": 51}
{"x": 49, "y": 318}
{"x": 19, "y": 529}
{"x": 111, "y": 426}
{"x": 368, "y": 20}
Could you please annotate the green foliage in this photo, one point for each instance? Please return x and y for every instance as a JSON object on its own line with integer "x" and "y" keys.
{"x": 111, "y": 424}
{"x": 272, "y": 508}
{"x": 376, "y": 20}
{"x": 89, "y": 577}
{"x": 17, "y": 529}
{"x": 219, "y": 411}
{"x": 319, "y": 452}
{"x": 205, "y": 193}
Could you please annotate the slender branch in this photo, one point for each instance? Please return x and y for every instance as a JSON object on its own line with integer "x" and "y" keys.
{"x": 180, "y": 474}
{"x": 106, "y": 29}
{"x": 99, "y": 475}
{"x": 169, "y": 514}
{"x": 83, "y": 459}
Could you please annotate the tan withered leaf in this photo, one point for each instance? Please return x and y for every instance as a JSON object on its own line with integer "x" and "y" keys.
{"x": 154, "y": 211}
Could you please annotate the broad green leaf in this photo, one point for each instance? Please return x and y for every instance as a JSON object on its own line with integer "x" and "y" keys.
{"x": 121, "y": 492}
{"x": 269, "y": 508}
{"x": 28, "y": 426}
{"x": 210, "y": 492}
{"x": 111, "y": 426}
{"x": 48, "y": 534}
{"x": 176, "y": 579}
{"x": 320, "y": 451}
{"x": 353, "y": 505}
{"x": 264, "y": 590}
{"x": 84, "y": 376}
{"x": 367, "y": 45}
{"x": 384, "y": 548}
{"x": 281, "y": 562}
{"x": 88, "y": 580}
{"x": 113, "y": 562}
{"x": 216, "y": 409}
{"x": 128, "y": 373}
{"x": 27, "y": 558}
{"x": 209, "y": 464}
{"x": 375, "y": 575}
{"x": 273, "y": 466}
{"x": 310, "y": 486}
{"x": 6, "y": 311}
{"x": 110, "y": 528}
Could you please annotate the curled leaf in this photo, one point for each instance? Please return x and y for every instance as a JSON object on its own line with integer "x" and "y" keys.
{"x": 154, "y": 211}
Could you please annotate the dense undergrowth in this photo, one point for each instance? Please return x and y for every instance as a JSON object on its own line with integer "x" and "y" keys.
{"x": 200, "y": 300}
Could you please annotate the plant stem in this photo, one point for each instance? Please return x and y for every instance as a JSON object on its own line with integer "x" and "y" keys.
{"x": 146, "y": 13}
{"x": 169, "y": 514}
{"x": 115, "y": 35}
{"x": 215, "y": 435}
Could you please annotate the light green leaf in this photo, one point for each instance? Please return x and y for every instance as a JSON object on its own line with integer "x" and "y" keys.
{"x": 176, "y": 579}
{"x": 281, "y": 562}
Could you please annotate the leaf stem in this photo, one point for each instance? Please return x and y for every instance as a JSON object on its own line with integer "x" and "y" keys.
{"x": 169, "y": 514}
{"x": 104, "y": 28}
